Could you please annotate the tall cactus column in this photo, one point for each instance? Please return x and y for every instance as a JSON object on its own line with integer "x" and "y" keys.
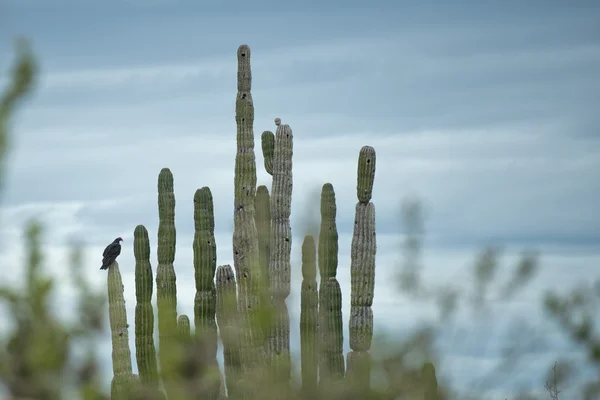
{"x": 331, "y": 357}
{"x": 245, "y": 238}
{"x": 121, "y": 356}
{"x": 205, "y": 302}
{"x": 145, "y": 353}
{"x": 309, "y": 309}
{"x": 280, "y": 252}
{"x": 166, "y": 280}
{"x": 362, "y": 274}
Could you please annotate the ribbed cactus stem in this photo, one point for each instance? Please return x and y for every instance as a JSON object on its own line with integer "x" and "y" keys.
{"x": 228, "y": 326}
{"x": 362, "y": 258}
{"x": 281, "y": 206}
{"x": 263, "y": 226}
{"x": 366, "y": 174}
{"x": 121, "y": 356}
{"x": 145, "y": 352}
{"x": 362, "y": 270}
{"x": 328, "y": 235}
{"x": 245, "y": 237}
{"x": 331, "y": 362}
{"x": 165, "y": 277}
{"x": 309, "y": 324}
{"x": 279, "y": 264}
{"x": 183, "y": 327}
{"x": 205, "y": 264}
{"x": 268, "y": 147}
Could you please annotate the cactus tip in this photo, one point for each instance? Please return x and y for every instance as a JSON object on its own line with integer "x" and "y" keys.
{"x": 244, "y": 51}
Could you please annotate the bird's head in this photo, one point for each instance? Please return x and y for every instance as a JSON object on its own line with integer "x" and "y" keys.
{"x": 119, "y": 239}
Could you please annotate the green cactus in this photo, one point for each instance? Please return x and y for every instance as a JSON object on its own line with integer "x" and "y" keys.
{"x": 309, "y": 324}
{"x": 263, "y": 227}
{"x": 145, "y": 352}
{"x": 121, "y": 356}
{"x": 227, "y": 321}
{"x": 278, "y": 348}
{"x": 331, "y": 359}
{"x": 183, "y": 327}
{"x": 328, "y": 235}
{"x": 245, "y": 236}
{"x": 281, "y": 205}
{"x": 165, "y": 278}
{"x": 205, "y": 264}
{"x": 268, "y": 148}
{"x": 366, "y": 174}
{"x": 362, "y": 271}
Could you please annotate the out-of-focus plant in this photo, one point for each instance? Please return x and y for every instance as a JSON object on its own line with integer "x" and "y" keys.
{"x": 36, "y": 357}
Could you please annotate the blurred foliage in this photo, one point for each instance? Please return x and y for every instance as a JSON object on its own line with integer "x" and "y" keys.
{"x": 37, "y": 357}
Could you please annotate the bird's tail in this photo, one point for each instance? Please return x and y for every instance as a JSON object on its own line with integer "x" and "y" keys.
{"x": 104, "y": 267}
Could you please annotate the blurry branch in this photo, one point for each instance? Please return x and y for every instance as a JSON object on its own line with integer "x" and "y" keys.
{"x": 577, "y": 313}
{"x": 34, "y": 357}
{"x": 23, "y": 74}
{"x": 552, "y": 387}
{"x": 447, "y": 296}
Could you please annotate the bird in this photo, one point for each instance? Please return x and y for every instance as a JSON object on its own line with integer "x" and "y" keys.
{"x": 111, "y": 252}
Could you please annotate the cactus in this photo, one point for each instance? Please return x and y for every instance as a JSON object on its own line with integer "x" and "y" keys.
{"x": 262, "y": 241}
{"x": 121, "y": 356}
{"x": 281, "y": 204}
{"x": 245, "y": 237}
{"x": 268, "y": 148}
{"x": 331, "y": 358}
{"x": 165, "y": 277}
{"x": 309, "y": 304}
{"x": 362, "y": 274}
{"x": 205, "y": 263}
{"x": 226, "y": 318}
{"x": 279, "y": 262}
{"x": 183, "y": 327}
{"x": 328, "y": 235}
{"x": 263, "y": 228}
{"x": 145, "y": 352}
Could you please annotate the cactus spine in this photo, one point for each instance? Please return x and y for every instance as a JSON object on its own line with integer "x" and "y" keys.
{"x": 205, "y": 263}
{"x": 145, "y": 352}
{"x": 309, "y": 308}
{"x": 165, "y": 278}
{"x": 362, "y": 273}
{"x": 121, "y": 356}
{"x": 331, "y": 360}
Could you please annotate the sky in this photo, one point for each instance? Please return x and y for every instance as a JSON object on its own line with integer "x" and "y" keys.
{"x": 487, "y": 113}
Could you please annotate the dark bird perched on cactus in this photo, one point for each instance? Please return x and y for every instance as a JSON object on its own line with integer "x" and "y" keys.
{"x": 111, "y": 252}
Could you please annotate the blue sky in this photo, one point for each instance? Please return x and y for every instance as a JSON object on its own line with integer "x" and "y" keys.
{"x": 487, "y": 113}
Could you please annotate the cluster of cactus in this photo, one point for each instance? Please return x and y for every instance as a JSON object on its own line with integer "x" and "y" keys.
{"x": 249, "y": 307}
